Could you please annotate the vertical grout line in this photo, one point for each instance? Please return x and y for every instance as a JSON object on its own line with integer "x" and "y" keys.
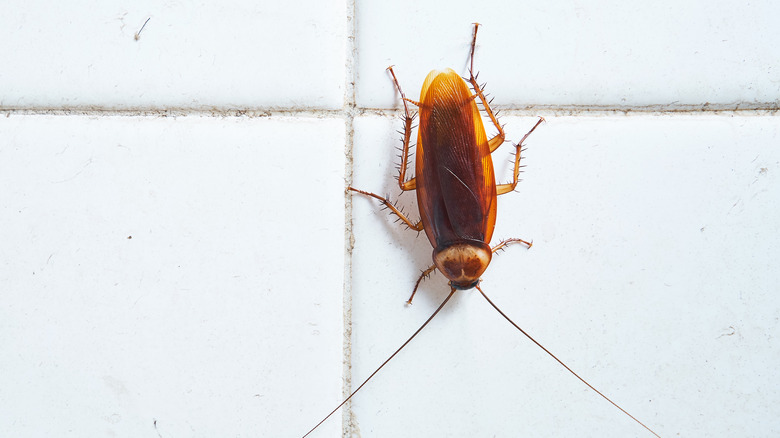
{"x": 347, "y": 419}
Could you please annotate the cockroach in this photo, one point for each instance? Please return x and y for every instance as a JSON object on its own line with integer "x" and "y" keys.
{"x": 456, "y": 190}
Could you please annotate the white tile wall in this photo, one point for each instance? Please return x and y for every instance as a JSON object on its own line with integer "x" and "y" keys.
{"x": 191, "y": 55}
{"x": 652, "y": 275}
{"x": 149, "y": 274}
{"x": 188, "y": 276}
{"x": 600, "y": 53}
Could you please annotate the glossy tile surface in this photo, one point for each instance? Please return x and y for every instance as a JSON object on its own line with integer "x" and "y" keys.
{"x": 221, "y": 141}
{"x": 189, "y": 55}
{"x": 652, "y": 275}
{"x": 154, "y": 275}
{"x": 600, "y": 53}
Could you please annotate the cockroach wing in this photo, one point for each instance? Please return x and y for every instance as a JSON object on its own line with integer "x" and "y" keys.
{"x": 456, "y": 189}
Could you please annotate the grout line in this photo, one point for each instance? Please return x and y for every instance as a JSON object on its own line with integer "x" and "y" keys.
{"x": 177, "y": 112}
{"x": 350, "y": 110}
{"x": 348, "y": 113}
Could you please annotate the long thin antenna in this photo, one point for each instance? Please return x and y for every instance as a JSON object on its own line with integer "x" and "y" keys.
{"x": 441, "y": 306}
{"x": 563, "y": 364}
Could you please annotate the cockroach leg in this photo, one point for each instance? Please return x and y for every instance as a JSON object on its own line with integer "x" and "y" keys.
{"x": 473, "y": 46}
{"x": 417, "y": 227}
{"x": 499, "y": 138}
{"x": 504, "y": 243}
{"x": 408, "y": 119}
{"x": 506, "y": 188}
{"x": 413, "y": 102}
{"x": 423, "y": 275}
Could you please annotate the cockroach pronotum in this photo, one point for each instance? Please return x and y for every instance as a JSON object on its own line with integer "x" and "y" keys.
{"x": 456, "y": 189}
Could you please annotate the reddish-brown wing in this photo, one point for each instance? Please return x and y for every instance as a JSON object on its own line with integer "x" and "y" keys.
{"x": 456, "y": 187}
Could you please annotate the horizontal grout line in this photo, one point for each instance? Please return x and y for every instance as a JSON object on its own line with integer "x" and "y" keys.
{"x": 561, "y": 110}
{"x": 177, "y": 112}
{"x": 543, "y": 110}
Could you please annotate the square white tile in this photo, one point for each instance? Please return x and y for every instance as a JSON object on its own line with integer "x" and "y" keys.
{"x": 602, "y": 53}
{"x": 166, "y": 276}
{"x": 652, "y": 275}
{"x": 241, "y": 55}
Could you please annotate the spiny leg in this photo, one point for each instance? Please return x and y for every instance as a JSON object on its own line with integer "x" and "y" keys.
{"x": 506, "y": 188}
{"x": 408, "y": 119}
{"x": 423, "y": 275}
{"x": 417, "y": 227}
{"x": 498, "y": 139}
{"x": 504, "y": 243}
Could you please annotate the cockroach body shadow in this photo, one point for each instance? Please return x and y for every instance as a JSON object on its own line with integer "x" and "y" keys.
{"x": 456, "y": 190}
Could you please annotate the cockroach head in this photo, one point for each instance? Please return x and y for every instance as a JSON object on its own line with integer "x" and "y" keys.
{"x": 463, "y": 262}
